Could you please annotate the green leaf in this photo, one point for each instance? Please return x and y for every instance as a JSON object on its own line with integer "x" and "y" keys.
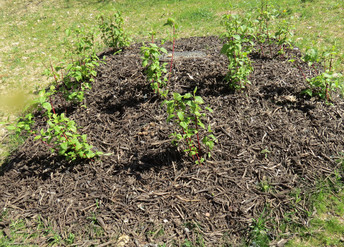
{"x": 188, "y": 96}
{"x": 11, "y": 127}
{"x": 184, "y": 125}
{"x": 144, "y": 63}
{"x": 47, "y": 106}
{"x": 180, "y": 115}
{"x": 177, "y": 96}
{"x": 169, "y": 22}
{"x": 37, "y": 137}
{"x": 64, "y": 146}
{"x": 209, "y": 109}
{"x": 201, "y": 124}
{"x": 199, "y": 100}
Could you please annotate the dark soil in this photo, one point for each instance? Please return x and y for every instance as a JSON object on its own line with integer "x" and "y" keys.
{"x": 149, "y": 190}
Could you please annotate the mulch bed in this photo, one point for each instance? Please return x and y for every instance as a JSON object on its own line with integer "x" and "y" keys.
{"x": 149, "y": 190}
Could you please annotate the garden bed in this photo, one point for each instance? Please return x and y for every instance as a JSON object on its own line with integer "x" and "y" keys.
{"x": 274, "y": 144}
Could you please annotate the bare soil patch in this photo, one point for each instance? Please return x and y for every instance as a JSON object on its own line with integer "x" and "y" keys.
{"x": 267, "y": 134}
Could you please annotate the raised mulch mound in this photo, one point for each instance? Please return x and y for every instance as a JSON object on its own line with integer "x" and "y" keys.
{"x": 273, "y": 142}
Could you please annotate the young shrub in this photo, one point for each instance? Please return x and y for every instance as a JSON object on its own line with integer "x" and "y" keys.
{"x": 75, "y": 75}
{"x": 283, "y": 36}
{"x": 265, "y": 15}
{"x": 187, "y": 114}
{"x": 80, "y": 42}
{"x": 61, "y": 134}
{"x": 324, "y": 83}
{"x": 238, "y": 36}
{"x": 155, "y": 70}
{"x": 112, "y": 31}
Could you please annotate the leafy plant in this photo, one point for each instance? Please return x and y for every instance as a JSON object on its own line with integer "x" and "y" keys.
{"x": 171, "y": 22}
{"x": 323, "y": 84}
{"x": 265, "y": 15}
{"x": 155, "y": 70}
{"x": 187, "y": 114}
{"x": 283, "y": 36}
{"x": 79, "y": 77}
{"x": 112, "y": 31}
{"x": 238, "y": 36}
{"x": 75, "y": 75}
{"x": 259, "y": 231}
{"x": 80, "y": 42}
{"x": 61, "y": 133}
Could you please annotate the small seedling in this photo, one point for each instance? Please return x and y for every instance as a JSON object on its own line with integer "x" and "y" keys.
{"x": 265, "y": 152}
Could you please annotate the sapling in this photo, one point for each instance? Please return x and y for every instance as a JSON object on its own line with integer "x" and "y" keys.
{"x": 283, "y": 36}
{"x": 75, "y": 75}
{"x": 171, "y": 22}
{"x": 326, "y": 82}
{"x": 238, "y": 36}
{"x": 155, "y": 70}
{"x": 112, "y": 32}
{"x": 80, "y": 42}
{"x": 187, "y": 113}
{"x": 61, "y": 134}
{"x": 71, "y": 80}
{"x": 312, "y": 57}
{"x": 265, "y": 15}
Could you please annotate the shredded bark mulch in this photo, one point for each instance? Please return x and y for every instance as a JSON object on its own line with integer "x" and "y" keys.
{"x": 273, "y": 143}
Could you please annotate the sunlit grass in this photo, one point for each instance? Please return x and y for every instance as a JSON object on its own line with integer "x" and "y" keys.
{"x": 327, "y": 227}
{"x": 34, "y": 31}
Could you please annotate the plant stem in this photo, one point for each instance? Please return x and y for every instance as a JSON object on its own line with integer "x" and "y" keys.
{"x": 45, "y": 143}
{"x": 174, "y": 39}
{"x": 327, "y": 94}
{"x": 199, "y": 145}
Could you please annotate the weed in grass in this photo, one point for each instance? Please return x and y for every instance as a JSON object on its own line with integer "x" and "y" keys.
{"x": 197, "y": 15}
{"x": 259, "y": 231}
{"x": 70, "y": 239}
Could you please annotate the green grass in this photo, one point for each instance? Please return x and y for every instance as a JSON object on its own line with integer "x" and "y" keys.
{"x": 34, "y": 31}
{"x": 18, "y": 233}
{"x": 33, "y": 38}
{"x": 327, "y": 227}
